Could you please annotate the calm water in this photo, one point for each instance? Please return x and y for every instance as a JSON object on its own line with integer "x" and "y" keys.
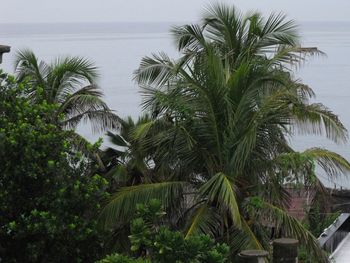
{"x": 117, "y": 50}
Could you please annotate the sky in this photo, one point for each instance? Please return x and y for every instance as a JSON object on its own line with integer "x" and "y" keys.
{"x": 54, "y": 11}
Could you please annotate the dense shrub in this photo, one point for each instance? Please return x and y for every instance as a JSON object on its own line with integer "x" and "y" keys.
{"x": 117, "y": 258}
{"x": 151, "y": 241}
{"x": 49, "y": 201}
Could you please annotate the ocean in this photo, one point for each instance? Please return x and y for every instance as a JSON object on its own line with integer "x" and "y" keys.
{"x": 117, "y": 49}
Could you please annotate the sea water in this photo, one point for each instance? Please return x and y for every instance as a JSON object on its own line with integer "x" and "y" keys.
{"x": 117, "y": 49}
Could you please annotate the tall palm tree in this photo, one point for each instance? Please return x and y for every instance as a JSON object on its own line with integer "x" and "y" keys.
{"x": 70, "y": 83}
{"x": 232, "y": 103}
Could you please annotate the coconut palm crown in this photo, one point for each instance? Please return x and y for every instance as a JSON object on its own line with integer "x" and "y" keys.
{"x": 69, "y": 82}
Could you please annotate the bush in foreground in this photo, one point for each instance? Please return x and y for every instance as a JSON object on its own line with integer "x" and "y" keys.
{"x": 48, "y": 199}
{"x": 151, "y": 242}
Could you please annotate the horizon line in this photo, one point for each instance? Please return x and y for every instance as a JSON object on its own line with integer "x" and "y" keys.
{"x": 149, "y": 22}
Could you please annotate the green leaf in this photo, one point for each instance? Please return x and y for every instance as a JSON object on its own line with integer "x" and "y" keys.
{"x": 220, "y": 189}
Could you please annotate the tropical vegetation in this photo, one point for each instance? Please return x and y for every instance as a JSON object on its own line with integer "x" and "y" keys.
{"x": 157, "y": 243}
{"x": 70, "y": 83}
{"x": 49, "y": 199}
{"x": 218, "y": 141}
{"x": 199, "y": 177}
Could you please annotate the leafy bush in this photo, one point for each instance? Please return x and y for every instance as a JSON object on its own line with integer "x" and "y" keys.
{"x": 151, "y": 241}
{"x": 48, "y": 200}
{"x": 116, "y": 258}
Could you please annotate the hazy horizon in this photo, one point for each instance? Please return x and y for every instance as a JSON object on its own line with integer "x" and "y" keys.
{"x": 86, "y": 11}
{"x": 156, "y": 22}
{"x": 124, "y": 28}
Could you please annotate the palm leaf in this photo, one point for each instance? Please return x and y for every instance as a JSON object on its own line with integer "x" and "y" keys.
{"x": 188, "y": 37}
{"x": 28, "y": 66}
{"x": 291, "y": 227}
{"x": 100, "y": 120}
{"x": 220, "y": 189}
{"x": 121, "y": 206}
{"x": 68, "y": 74}
{"x": 332, "y": 163}
{"x": 205, "y": 220}
{"x": 117, "y": 140}
{"x": 318, "y": 119}
{"x": 156, "y": 70}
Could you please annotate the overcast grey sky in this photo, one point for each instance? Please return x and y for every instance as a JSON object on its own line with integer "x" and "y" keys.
{"x": 32, "y": 11}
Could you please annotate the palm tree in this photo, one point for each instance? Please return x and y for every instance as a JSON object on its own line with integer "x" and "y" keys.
{"x": 232, "y": 104}
{"x": 129, "y": 160}
{"x": 70, "y": 84}
{"x": 126, "y": 160}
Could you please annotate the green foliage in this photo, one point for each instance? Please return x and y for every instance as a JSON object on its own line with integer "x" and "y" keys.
{"x": 222, "y": 118}
{"x": 69, "y": 83}
{"x": 126, "y": 161}
{"x": 304, "y": 255}
{"x": 149, "y": 240}
{"x": 318, "y": 220}
{"x": 117, "y": 258}
{"x": 173, "y": 247}
{"x": 49, "y": 201}
{"x": 161, "y": 244}
{"x": 213, "y": 147}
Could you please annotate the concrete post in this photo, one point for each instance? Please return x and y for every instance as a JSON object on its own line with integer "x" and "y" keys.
{"x": 4, "y": 49}
{"x": 253, "y": 256}
{"x": 285, "y": 250}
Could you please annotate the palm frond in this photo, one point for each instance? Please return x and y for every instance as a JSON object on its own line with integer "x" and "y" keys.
{"x": 117, "y": 140}
{"x": 188, "y": 37}
{"x": 245, "y": 239}
{"x": 332, "y": 163}
{"x": 220, "y": 189}
{"x": 100, "y": 120}
{"x": 156, "y": 70}
{"x": 292, "y": 227}
{"x": 68, "y": 74}
{"x": 318, "y": 119}
{"x": 27, "y": 65}
{"x": 293, "y": 55}
{"x": 88, "y": 97}
{"x": 278, "y": 31}
{"x": 79, "y": 66}
{"x": 122, "y": 204}
{"x": 205, "y": 220}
